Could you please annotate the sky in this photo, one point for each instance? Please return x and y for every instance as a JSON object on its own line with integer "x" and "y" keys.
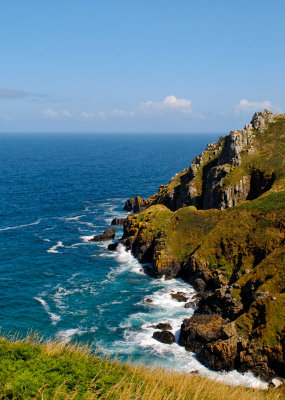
{"x": 139, "y": 65}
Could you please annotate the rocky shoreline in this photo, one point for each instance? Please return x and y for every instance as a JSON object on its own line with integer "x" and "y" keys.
{"x": 233, "y": 258}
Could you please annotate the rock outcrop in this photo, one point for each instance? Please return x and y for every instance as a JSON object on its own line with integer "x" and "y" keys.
{"x": 108, "y": 234}
{"x": 220, "y": 225}
{"x": 210, "y": 180}
{"x": 118, "y": 221}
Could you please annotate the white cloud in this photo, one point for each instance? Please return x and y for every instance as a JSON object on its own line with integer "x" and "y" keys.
{"x": 66, "y": 113}
{"x": 252, "y": 106}
{"x": 122, "y": 113}
{"x": 50, "y": 113}
{"x": 101, "y": 115}
{"x": 86, "y": 115}
{"x": 169, "y": 103}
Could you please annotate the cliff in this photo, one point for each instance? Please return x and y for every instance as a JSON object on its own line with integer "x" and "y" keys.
{"x": 220, "y": 225}
{"x": 226, "y": 173}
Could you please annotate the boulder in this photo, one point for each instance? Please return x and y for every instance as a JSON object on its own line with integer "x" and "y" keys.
{"x": 164, "y": 326}
{"x": 108, "y": 234}
{"x": 179, "y": 296}
{"x": 201, "y": 329}
{"x": 113, "y": 246}
{"x": 164, "y": 337}
{"x": 190, "y": 304}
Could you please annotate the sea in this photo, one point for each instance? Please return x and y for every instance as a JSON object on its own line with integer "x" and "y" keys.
{"x": 56, "y": 192}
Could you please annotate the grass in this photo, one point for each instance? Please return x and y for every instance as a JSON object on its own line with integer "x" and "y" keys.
{"x": 266, "y": 203}
{"x": 38, "y": 370}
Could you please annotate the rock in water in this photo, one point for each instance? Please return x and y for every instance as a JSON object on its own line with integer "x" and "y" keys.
{"x": 108, "y": 234}
{"x": 164, "y": 337}
{"x": 118, "y": 221}
{"x": 179, "y": 296}
{"x": 164, "y": 326}
{"x": 113, "y": 246}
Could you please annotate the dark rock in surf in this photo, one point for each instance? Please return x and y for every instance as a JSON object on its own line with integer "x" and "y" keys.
{"x": 113, "y": 246}
{"x": 164, "y": 326}
{"x": 108, "y": 234}
{"x": 179, "y": 296}
{"x": 164, "y": 337}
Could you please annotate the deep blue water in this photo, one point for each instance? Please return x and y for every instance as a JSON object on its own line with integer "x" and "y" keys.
{"x": 56, "y": 191}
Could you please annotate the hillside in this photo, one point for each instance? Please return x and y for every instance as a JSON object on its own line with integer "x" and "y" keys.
{"x": 33, "y": 369}
{"x": 220, "y": 225}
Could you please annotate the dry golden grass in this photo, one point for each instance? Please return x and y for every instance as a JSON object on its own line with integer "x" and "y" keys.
{"x": 112, "y": 379}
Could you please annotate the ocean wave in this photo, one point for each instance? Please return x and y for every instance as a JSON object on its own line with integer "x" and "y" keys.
{"x": 49, "y": 228}
{"x": 67, "y": 335}
{"x": 86, "y": 239}
{"x": 56, "y": 246}
{"x": 20, "y": 226}
{"x": 54, "y": 317}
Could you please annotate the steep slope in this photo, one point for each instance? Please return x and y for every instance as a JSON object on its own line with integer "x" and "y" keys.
{"x": 240, "y": 166}
{"x": 234, "y": 256}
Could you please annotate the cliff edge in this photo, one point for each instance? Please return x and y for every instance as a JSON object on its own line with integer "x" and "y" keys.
{"x": 220, "y": 225}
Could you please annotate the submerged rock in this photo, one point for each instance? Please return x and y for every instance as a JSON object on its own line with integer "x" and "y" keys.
{"x": 108, "y": 234}
{"x": 164, "y": 337}
{"x": 148, "y": 301}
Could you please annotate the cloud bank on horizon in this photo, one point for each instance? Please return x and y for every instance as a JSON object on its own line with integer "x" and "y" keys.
{"x": 170, "y": 104}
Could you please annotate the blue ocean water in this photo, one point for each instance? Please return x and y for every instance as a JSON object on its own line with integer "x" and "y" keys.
{"x": 56, "y": 192}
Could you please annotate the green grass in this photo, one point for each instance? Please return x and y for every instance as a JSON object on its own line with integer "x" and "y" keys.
{"x": 268, "y": 202}
{"x": 31, "y": 369}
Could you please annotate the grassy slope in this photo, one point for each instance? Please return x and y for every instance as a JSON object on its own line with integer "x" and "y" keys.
{"x": 30, "y": 369}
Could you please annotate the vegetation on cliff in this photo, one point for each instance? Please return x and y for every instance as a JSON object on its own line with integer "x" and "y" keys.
{"x": 231, "y": 246}
{"x": 33, "y": 369}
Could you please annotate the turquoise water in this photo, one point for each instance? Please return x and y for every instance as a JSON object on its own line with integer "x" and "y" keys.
{"x": 56, "y": 192}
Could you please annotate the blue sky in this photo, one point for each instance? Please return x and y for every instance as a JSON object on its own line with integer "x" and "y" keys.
{"x": 139, "y": 65}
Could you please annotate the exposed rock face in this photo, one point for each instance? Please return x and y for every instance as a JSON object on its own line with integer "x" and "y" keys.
{"x": 164, "y": 337}
{"x": 260, "y": 119}
{"x": 201, "y": 329}
{"x": 204, "y": 184}
{"x": 108, "y": 234}
{"x": 118, "y": 221}
{"x": 135, "y": 205}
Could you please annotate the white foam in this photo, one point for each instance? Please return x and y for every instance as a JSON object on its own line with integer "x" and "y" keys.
{"x": 46, "y": 240}
{"x": 163, "y": 308}
{"x": 54, "y": 317}
{"x": 86, "y": 239}
{"x": 49, "y": 228}
{"x": 67, "y": 335}
{"x": 76, "y": 218}
{"x": 20, "y": 226}
{"x": 56, "y": 246}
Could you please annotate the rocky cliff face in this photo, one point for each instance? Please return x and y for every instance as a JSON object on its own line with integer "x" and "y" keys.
{"x": 205, "y": 183}
{"x": 220, "y": 225}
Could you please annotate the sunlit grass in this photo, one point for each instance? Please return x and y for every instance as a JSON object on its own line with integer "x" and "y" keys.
{"x": 32, "y": 368}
